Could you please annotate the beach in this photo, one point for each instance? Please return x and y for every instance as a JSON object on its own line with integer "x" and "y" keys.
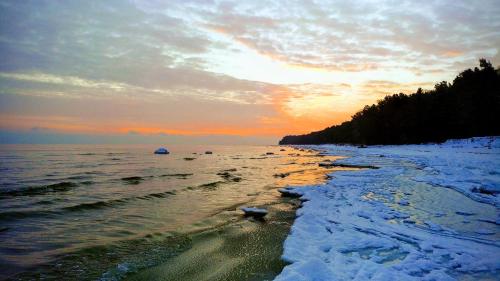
{"x": 423, "y": 212}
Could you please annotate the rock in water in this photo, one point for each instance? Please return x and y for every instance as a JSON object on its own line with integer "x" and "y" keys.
{"x": 290, "y": 192}
{"x": 161, "y": 150}
{"x": 254, "y": 212}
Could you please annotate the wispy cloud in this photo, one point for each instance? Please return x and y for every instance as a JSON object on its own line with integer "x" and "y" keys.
{"x": 64, "y": 80}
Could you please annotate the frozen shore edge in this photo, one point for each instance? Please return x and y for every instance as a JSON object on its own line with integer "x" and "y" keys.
{"x": 383, "y": 224}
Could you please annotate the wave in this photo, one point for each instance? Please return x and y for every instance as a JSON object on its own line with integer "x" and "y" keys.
{"x": 132, "y": 180}
{"x": 116, "y": 202}
{"x": 139, "y": 179}
{"x": 157, "y": 195}
{"x": 182, "y": 176}
{"x": 40, "y": 190}
{"x": 211, "y": 185}
{"x": 95, "y": 205}
{"x": 79, "y": 177}
{"x": 94, "y": 173}
{"x": 12, "y": 215}
{"x": 111, "y": 261}
{"x": 87, "y": 182}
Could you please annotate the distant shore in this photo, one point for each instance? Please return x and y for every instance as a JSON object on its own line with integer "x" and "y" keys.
{"x": 457, "y": 110}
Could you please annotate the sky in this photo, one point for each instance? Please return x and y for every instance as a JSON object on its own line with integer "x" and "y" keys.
{"x": 223, "y": 71}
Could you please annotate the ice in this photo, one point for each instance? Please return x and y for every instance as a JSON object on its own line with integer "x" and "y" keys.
{"x": 404, "y": 202}
{"x": 419, "y": 216}
{"x": 464, "y": 213}
{"x": 161, "y": 150}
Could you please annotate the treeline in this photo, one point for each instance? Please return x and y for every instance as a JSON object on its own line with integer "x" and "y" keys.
{"x": 468, "y": 107}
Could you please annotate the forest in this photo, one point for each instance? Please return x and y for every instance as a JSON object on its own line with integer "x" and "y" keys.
{"x": 468, "y": 107}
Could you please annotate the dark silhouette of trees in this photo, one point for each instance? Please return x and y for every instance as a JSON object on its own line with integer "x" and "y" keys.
{"x": 468, "y": 107}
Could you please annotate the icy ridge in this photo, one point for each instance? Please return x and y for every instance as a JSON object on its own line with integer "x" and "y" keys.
{"x": 398, "y": 222}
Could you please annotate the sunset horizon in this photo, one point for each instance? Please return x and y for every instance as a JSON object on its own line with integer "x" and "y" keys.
{"x": 239, "y": 69}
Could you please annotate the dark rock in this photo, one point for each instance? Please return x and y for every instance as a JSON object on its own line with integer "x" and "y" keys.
{"x": 288, "y": 192}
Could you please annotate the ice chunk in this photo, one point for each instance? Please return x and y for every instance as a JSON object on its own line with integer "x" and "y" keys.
{"x": 364, "y": 214}
{"x": 162, "y": 150}
{"x": 483, "y": 231}
{"x": 403, "y": 202}
{"x": 254, "y": 212}
{"x": 290, "y": 192}
{"x": 462, "y": 213}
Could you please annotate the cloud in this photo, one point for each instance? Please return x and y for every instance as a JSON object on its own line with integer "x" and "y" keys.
{"x": 204, "y": 86}
{"x": 363, "y": 35}
{"x": 64, "y": 80}
{"x": 231, "y": 67}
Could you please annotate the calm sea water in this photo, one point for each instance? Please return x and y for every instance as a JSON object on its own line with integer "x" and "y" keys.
{"x": 104, "y": 211}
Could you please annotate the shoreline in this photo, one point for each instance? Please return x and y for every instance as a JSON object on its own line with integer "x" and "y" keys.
{"x": 245, "y": 249}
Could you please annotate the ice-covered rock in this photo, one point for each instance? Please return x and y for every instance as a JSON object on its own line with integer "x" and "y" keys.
{"x": 254, "y": 212}
{"x": 290, "y": 192}
{"x": 162, "y": 150}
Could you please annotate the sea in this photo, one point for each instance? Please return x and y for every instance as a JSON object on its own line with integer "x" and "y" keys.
{"x": 121, "y": 212}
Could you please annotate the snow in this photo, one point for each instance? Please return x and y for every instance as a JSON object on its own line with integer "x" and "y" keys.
{"x": 418, "y": 217}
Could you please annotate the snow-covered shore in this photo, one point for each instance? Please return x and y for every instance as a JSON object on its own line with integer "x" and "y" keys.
{"x": 430, "y": 212}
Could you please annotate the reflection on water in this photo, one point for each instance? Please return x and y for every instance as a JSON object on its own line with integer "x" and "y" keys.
{"x": 83, "y": 210}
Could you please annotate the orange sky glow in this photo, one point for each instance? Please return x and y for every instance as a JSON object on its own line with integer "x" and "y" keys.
{"x": 239, "y": 68}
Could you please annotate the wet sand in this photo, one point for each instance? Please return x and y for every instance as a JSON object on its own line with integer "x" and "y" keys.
{"x": 246, "y": 249}
{"x": 240, "y": 248}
